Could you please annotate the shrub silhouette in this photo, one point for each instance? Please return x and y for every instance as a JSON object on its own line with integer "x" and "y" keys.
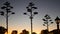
{"x": 2, "y": 30}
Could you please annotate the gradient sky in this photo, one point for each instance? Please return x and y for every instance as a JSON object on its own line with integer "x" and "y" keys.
{"x": 19, "y": 21}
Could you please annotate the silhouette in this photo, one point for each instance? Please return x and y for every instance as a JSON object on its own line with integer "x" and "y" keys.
{"x": 57, "y": 22}
{"x": 14, "y": 32}
{"x": 44, "y": 31}
{"x": 34, "y": 33}
{"x": 2, "y": 30}
{"x": 7, "y": 7}
{"x": 54, "y": 31}
{"x": 24, "y": 32}
{"x": 30, "y": 8}
{"x": 47, "y": 21}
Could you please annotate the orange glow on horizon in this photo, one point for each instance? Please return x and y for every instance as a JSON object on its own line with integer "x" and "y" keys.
{"x": 38, "y": 31}
{"x": 19, "y": 31}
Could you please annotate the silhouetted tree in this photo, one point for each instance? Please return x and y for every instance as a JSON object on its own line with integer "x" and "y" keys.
{"x": 24, "y": 32}
{"x": 2, "y": 30}
{"x": 44, "y": 31}
{"x": 47, "y": 21}
{"x": 21, "y": 33}
{"x": 55, "y": 31}
{"x": 14, "y": 32}
{"x": 7, "y": 12}
{"x": 34, "y": 33}
{"x": 30, "y": 9}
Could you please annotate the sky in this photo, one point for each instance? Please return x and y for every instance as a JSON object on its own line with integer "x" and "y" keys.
{"x": 19, "y": 21}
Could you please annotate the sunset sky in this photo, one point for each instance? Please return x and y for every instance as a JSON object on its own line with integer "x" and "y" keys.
{"x": 18, "y": 21}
